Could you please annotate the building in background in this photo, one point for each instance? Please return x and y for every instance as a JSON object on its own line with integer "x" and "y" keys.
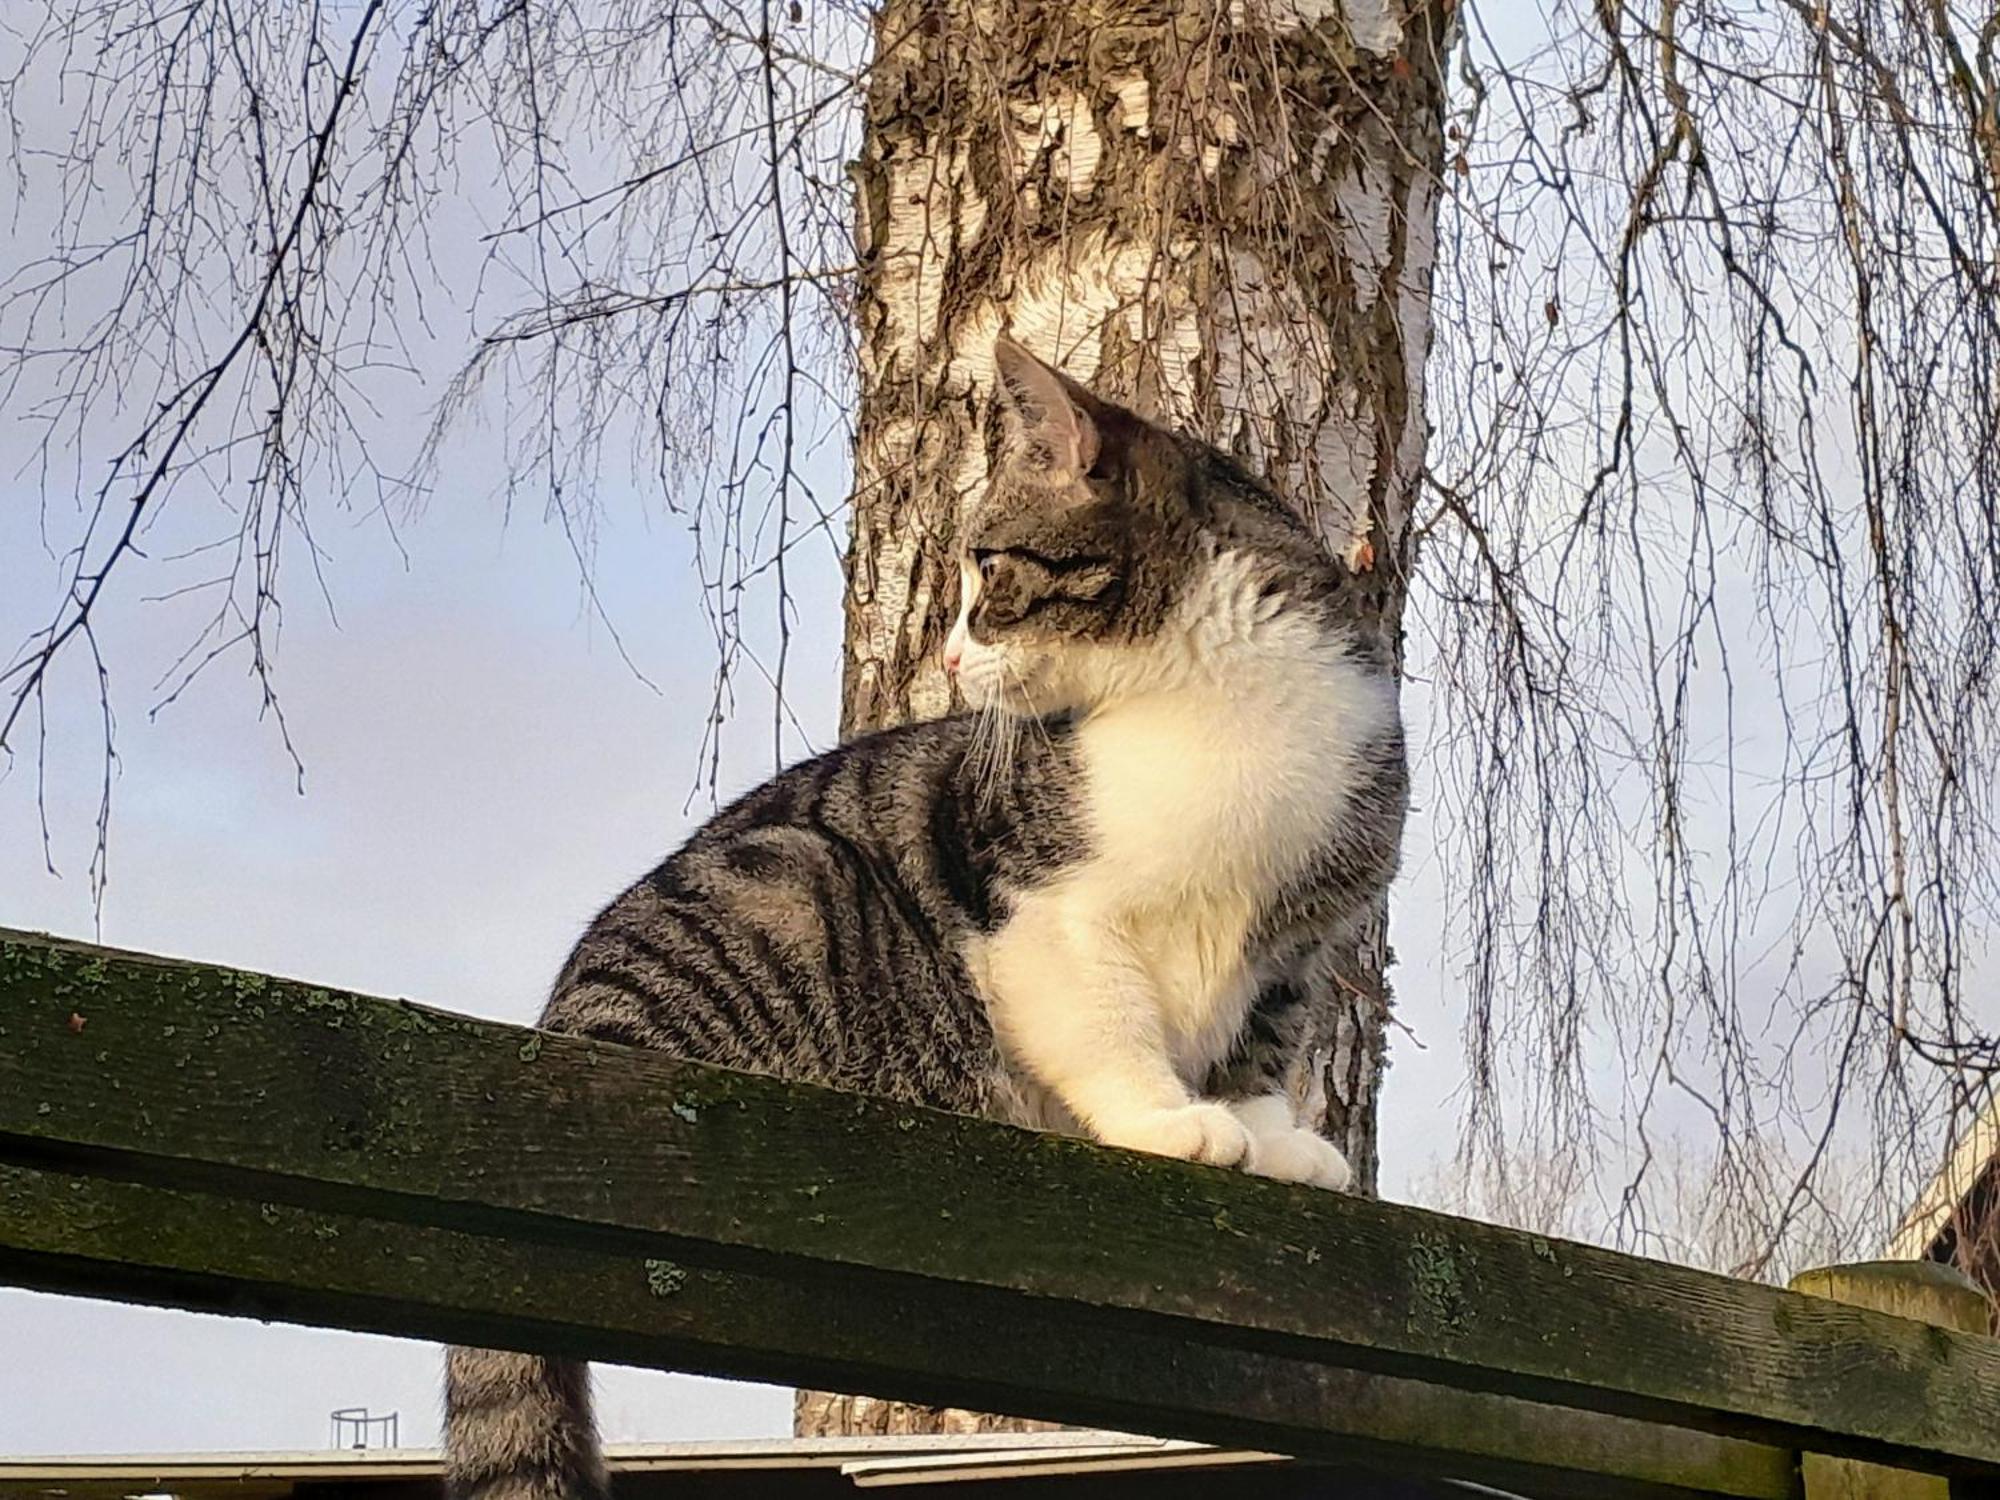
{"x": 1956, "y": 1220}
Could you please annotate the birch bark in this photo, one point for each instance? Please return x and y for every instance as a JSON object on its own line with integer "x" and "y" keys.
{"x": 1222, "y": 214}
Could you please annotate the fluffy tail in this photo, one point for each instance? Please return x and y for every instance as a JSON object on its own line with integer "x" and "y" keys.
{"x": 519, "y": 1427}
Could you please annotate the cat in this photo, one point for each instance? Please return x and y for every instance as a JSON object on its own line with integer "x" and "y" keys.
{"x": 1087, "y": 905}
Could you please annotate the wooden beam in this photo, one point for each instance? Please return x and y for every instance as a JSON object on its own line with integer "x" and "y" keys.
{"x": 1918, "y": 1289}
{"x": 246, "y": 1087}
{"x": 934, "y": 1344}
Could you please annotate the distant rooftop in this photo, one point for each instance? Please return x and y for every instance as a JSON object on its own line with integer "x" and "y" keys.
{"x": 1079, "y": 1463}
{"x": 1956, "y": 1219}
{"x": 865, "y": 1462}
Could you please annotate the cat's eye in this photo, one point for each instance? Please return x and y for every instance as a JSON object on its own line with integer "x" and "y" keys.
{"x": 986, "y": 562}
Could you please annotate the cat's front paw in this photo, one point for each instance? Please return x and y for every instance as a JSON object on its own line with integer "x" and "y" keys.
{"x": 1296, "y": 1154}
{"x": 1193, "y": 1132}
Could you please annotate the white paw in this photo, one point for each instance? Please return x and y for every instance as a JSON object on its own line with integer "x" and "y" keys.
{"x": 1296, "y": 1154}
{"x": 1193, "y": 1132}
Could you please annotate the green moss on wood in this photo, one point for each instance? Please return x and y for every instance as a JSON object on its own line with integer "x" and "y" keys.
{"x": 1442, "y": 1302}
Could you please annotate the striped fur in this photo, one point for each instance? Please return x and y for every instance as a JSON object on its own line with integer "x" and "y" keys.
{"x": 519, "y": 1427}
{"x": 1090, "y": 905}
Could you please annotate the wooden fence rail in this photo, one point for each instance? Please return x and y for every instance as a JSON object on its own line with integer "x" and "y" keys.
{"x": 200, "y": 1137}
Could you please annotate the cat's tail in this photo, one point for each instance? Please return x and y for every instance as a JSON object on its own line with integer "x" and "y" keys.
{"x": 519, "y": 1427}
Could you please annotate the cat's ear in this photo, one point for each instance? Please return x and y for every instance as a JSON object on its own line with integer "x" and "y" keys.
{"x": 1049, "y": 426}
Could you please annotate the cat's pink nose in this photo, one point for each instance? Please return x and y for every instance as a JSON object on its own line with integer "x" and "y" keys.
{"x": 953, "y": 655}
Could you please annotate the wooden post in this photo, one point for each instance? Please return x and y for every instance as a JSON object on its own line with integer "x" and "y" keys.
{"x": 1924, "y": 1291}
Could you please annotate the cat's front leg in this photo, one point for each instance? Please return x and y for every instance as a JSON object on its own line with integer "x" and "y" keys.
{"x": 1283, "y": 1148}
{"x": 1073, "y": 1003}
{"x": 1255, "y": 1079}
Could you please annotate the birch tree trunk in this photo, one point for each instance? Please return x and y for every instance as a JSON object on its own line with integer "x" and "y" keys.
{"x": 1222, "y": 214}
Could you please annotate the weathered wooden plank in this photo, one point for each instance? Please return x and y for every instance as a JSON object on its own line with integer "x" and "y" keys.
{"x": 1922, "y": 1290}
{"x": 932, "y": 1343}
{"x": 196, "y": 1077}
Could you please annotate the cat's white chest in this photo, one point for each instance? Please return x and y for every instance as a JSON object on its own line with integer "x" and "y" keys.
{"x": 1204, "y": 801}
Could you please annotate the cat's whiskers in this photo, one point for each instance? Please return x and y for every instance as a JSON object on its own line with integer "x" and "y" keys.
{"x": 991, "y": 752}
{"x": 1006, "y": 742}
{"x": 1028, "y": 700}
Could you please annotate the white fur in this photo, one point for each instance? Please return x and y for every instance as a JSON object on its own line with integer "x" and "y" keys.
{"x": 1216, "y": 759}
{"x": 1281, "y": 1147}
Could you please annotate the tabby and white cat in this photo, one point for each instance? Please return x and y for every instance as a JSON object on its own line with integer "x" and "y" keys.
{"x": 1085, "y": 906}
